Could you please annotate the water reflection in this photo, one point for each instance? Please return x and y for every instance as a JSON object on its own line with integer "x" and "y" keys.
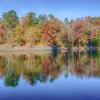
{"x": 47, "y": 67}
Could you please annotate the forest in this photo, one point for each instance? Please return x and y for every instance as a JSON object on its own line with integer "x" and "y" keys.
{"x": 44, "y": 30}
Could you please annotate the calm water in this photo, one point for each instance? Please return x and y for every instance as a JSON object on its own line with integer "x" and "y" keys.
{"x": 65, "y": 76}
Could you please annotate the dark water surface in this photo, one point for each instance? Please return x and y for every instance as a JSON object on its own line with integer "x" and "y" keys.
{"x": 63, "y": 76}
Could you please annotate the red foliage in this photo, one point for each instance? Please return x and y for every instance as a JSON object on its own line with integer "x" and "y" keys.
{"x": 45, "y": 28}
{"x": 78, "y": 25}
{"x": 2, "y": 30}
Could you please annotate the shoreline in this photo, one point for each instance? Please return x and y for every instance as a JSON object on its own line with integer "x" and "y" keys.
{"x": 39, "y": 48}
{"x": 43, "y": 48}
{"x": 21, "y": 48}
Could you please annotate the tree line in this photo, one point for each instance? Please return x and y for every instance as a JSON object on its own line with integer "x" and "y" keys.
{"x": 33, "y": 30}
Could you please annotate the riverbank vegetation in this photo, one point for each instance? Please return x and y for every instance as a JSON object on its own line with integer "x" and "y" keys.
{"x": 44, "y": 30}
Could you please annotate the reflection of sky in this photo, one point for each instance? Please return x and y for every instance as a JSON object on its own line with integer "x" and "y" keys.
{"x": 71, "y": 87}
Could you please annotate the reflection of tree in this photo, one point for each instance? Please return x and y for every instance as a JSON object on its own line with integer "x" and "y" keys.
{"x": 42, "y": 77}
{"x": 93, "y": 63}
{"x": 86, "y": 66}
{"x": 52, "y": 66}
{"x": 11, "y": 72}
{"x": 48, "y": 67}
{"x": 2, "y": 65}
{"x": 33, "y": 70}
{"x": 11, "y": 79}
{"x": 31, "y": 78}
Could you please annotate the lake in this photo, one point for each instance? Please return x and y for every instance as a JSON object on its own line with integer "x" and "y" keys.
{"x": 50, "y": 76}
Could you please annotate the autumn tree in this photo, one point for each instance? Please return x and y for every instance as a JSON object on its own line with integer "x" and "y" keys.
{"x": 54, "y": 28}
{"x": 18, "y": 35}
{"x": 29, "y": 20}
{"x": 2, "y": 34}
{"x": 10, "y": 19}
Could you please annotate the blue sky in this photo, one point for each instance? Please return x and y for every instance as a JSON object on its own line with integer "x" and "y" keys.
{"x": 59, "y": 8}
